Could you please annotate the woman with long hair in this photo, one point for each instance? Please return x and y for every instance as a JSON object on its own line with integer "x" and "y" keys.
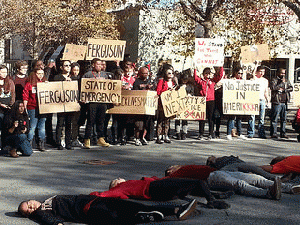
{"x": 31, "y": 104}
{"x": 15, "y": 130}
{"x": 163, "y": 122}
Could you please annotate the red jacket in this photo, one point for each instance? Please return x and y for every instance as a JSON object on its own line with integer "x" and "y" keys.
{"x": 133, "y": 189}
{"x": 207, "y": 87}
{"x": 290, "y": 164}
{"x": 198, "y": 172}
{"x": 30, "y": 95}
{"x": 162, "y": 86}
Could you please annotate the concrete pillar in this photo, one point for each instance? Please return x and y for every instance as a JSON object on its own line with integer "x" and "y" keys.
{"x": 291, "y": 68}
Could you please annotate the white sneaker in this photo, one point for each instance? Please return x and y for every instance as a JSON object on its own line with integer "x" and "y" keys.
{"x": 242, "y": 137}
{"x": 77, "y": 143}
{"x": 229, "y": 137}
{"x": 138, "y": 142}
{"x": 296, "y": 189}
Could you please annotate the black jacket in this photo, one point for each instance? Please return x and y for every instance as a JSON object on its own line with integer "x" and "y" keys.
{"x": 276, "y": 85}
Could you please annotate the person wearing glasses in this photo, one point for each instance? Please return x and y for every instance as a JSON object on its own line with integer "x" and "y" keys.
{"x": 64, "y": 118}
{"x": 237, "y": 75}
{"x": 264, "y": 98}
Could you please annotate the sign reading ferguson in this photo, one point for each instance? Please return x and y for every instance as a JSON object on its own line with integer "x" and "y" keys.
{"x": 136, "y": 102}
{"x": 108, "y": 50}
{"x": 56, "y": 97}
{"x": 241, "y": 97}
{"x": 174, "y": 101}
{"x": 195, "y": 109}
{"x": 100, "y": 90}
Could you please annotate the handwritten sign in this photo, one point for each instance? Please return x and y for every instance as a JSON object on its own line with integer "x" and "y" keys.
{"x": 136, "y": 102}
{"x": 252, "y": 53}
{"x": 195, "y": 109}
{"x": 296, "y": 94}
{"x": 209, "y": 52}
{"x": 241, "y": 97}
{"x": 174, "y": 101}
{"x": 56, "y": 97}
{"x": 100, "y": 90}
{"x": 74, "y": 52}
{"x": 108, "y": 50}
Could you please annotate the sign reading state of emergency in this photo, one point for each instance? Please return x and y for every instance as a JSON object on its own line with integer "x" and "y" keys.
{"x": 100, "y": 90}
{"x": 108, "y": 50}
{"x": 56, "y": 97}
{"x": 241, "y": 97}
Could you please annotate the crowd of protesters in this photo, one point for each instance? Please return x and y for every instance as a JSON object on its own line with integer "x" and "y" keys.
{"x": 18, "y": 102}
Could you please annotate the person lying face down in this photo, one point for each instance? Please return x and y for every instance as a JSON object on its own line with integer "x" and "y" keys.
{"x": 163, "y": 189}
{"x": 94, "y": 210}
{"x": 247, "y": 184}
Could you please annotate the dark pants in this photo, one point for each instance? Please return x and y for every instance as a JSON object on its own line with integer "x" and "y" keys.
{"x": 20, "y": 143}
{"x": 118, "y": 211}
{"x": 64, "y": 119}
{"x": 210, "y": 107}
{"x": 48, "y": 128}
{"x": 74, "y": 125}
{"x": 95, "y": 115}
{"x": 171, "y": 188}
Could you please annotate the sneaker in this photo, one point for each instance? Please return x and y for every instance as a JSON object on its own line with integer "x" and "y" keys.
{"x": 138, "y": 142}
{"x": 77, "y": 143}
{"x": 167, "y": 140}
{"x": 210, "y": 137}
{"x": 217, "y": 134}
{"x": 183, "y": 136}
{"x": 242, "y": 137}
{"x": 250, "y": 136}
{"x": 229, "y": 137}
{"x": 274, "y": 191}
{"x": 146, "y": 217}
{"x": 200, "y": 138}
{"x": 144, "y": 141}
{"x": 274, "y": 136}
{"x": 185, "y": 210}
{"x": 296, "y": 189}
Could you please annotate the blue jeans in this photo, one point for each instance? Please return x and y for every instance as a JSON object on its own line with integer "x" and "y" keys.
{"x": 36, "y": 121}
{"x": 21, "y": 143}
{"x": 261, "y": 122}
{"x": 278, "y": 110}
{"x": 230, "y": 124}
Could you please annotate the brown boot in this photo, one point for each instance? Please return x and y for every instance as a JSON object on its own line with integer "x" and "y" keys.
{"x": 87, "y": 144}
{"x": 13, "y": 153}
{"x": 101, "y": 142}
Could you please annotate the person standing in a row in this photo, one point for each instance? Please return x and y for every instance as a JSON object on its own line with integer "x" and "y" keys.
{"x": 96, "y": 111}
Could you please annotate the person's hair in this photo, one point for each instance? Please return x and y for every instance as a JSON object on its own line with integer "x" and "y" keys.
{"x": 206, "y": 69}
{"x": 63, "y": 62}
{"x": 7, "y": 83}
{"x": 277, "y": 159}
{"x": 236, "y": 70}
{"x": 165, "y": 68}
{"x": 39, "y": 64}
{"x": 279, "y": 70}
{"x": 209, "y": 162}
{"x": 118, "y": 74}
{"x": 73, "y": 65}
{"x": 94, "y": 60}
{"x": 20, "y": 211}
{"x": 32, "y": 79}
{"x": 260, "y": 68}
{"x": 21, "y": 63}
{"x": 183, "y": 77}
{"x": 15, "y": 113}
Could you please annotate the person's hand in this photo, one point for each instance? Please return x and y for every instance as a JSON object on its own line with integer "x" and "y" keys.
{"x": 4, "y": 106}
{"x": 16, "y": 123}
{"x": 68, "y": 79}
{"x": 24, "y": 130}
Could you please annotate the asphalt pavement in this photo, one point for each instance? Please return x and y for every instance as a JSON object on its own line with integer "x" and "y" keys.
{"x": 82, "y": 171}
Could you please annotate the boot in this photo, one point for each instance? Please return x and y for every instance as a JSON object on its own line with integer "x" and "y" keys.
{"x": 101, "y": 142}
{"x": 13, "y": 153}
{"x": 183, "y": 136}
{"x": 87, "y": 143}
{"x": 42, "y": 146}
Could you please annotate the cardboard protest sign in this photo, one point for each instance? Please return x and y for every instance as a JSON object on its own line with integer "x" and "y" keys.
{"x": 74, "y": 52}
{"x": 209, "y": 52}
{"x": 241, "y": 97}
{"x": 296, "y": 94}
{"x": 173, "y": 101}
{"x": 136, "y": 102}
{"x": 108, "y": 50}
{"x": 252, "y": 53}
{"x": 100, "y": 90}
{"x": 195, "y": 109}
{"x": 56, "y": 97}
